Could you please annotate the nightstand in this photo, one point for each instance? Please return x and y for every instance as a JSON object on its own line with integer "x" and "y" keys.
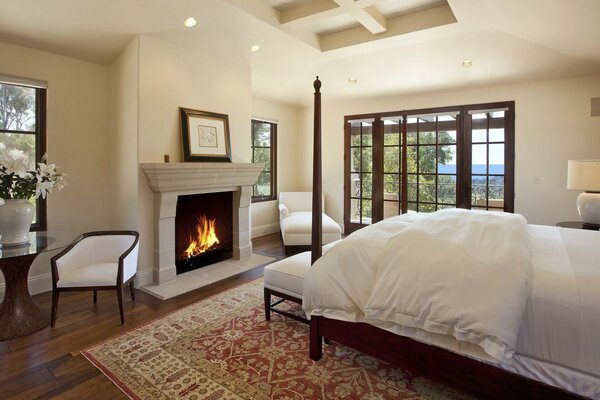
{"x": 578, "y": 225}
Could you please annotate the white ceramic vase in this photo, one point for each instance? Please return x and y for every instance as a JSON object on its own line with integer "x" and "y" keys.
{"x": 16, "y": 216}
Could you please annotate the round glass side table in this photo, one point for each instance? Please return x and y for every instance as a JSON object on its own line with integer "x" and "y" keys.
{"x": 19, "y": 314}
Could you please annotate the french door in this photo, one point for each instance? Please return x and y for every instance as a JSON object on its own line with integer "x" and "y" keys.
{"x": 426, "y": 160}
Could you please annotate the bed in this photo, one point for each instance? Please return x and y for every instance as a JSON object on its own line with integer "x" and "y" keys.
{"x": 556, "y": 332}
{"x": 543, "y": 343}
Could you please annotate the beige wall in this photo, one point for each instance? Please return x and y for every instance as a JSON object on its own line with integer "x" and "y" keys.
{"x": 123, "y": 137}
{"x": 553, "y": 125}
{"x": 104, "y": 121}
{"x": 77, "y": 141}
{"x": 265, "y": 215}
{"x": 171, "y": 77}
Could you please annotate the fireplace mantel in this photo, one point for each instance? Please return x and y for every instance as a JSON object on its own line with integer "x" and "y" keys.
{"x": 170, "y": 180}
{"x": 170, "y": 177}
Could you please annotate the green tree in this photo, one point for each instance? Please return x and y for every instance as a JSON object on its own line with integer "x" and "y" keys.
{"x": 261, "y": 153}
{"x": 16, "y": 108}
{"x": 17, "y": 113}
{"x": 431, "y": 153}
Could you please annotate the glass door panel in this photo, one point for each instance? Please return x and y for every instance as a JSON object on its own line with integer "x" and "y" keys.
{"x": 361, "y": 168}
{"x": 488, "y": 159}
{"x": 431, "y": 161}
{"x": 392, "y": 167}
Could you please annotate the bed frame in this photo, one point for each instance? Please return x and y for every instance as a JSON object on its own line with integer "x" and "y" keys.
{"x": 465, "y": 374}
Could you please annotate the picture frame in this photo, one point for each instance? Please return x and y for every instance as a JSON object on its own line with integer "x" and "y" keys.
{"x": 205, "y": 136}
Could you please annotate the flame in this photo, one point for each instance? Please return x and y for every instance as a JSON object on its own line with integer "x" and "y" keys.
{"x": 206, "y": 237}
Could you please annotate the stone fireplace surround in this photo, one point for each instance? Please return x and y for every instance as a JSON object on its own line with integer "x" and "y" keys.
{"x": 170, "y": 180}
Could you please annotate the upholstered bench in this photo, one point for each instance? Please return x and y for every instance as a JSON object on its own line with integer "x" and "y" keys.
{"x": 285, "y": 279}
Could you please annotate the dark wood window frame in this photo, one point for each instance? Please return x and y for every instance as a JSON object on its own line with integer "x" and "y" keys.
{"x": 464, "y": 126}
{"x": 40, "y": 148}
{"x": 363, "y": 145}
{"x": 273, "y": 158}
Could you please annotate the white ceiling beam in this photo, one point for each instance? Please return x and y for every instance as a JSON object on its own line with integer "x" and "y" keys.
{"x": 366, "y": 3}
{"x": 397, "y": 26}
{"x": 369, "y": 16}
{"x": 371, "y": 19}
{"x": 358, "y": 3}
{"x": 306, "y": 12}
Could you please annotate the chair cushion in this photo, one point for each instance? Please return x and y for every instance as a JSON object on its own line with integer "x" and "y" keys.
{"x": 99, "y": 249}
{"x": 102, "y": 274}
{"x": 296, "y": 229}
{"x": 287, "y": 276}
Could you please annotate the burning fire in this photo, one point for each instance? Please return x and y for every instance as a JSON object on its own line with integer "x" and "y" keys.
{"x": 205, "y": 239}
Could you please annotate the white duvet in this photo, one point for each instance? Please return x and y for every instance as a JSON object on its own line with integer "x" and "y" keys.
{"x": 456, "y": 278}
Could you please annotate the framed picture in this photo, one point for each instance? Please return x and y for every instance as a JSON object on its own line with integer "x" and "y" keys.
{"x": 205, "y": 136}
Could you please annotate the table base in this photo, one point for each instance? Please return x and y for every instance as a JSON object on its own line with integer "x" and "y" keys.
{"x": 19, "y": 315}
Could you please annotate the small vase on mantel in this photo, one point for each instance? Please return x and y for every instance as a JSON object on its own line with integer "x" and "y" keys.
{"x": 16, "y": 216}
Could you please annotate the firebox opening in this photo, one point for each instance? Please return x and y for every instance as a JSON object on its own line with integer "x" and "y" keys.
{"x": 203, "y": 230}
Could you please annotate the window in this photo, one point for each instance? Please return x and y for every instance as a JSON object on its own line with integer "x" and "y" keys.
{"x": 427, "y": 160}
{"x": 23, "y": 127}
{"x": 264, "y": 145}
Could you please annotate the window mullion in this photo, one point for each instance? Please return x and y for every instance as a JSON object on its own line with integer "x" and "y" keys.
{"x": 404, "y": 178}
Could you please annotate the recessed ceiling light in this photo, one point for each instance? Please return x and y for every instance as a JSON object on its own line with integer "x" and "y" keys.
{"x": 254, "y": 48}
{"x": 352, "y": 80}
{"x": 467, "y": 63}
{"x": 190, "y": 22}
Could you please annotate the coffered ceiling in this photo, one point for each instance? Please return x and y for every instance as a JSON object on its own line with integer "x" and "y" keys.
{"x": 388, "y": 46}
{"x": 333, "y": 24}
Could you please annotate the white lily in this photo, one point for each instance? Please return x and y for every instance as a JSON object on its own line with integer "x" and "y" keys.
{"x": 19, "y": 180}
{"x": 43, "y": 188}
{"x": 60, "y": 182}
{"x": 46, "y": 169}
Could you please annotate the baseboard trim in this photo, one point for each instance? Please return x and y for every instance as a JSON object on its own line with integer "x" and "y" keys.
{"x": 144, "y": 278}
{"x": 266, "y": 229}
{"x": 36, "y": 284}
{"x": 43, "y": 283}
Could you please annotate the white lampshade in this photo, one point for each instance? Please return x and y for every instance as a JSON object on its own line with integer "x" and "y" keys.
{"x": 584, "y": 175}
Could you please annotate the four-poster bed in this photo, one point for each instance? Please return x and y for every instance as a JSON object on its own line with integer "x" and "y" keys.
{"x": 471, "y": 374}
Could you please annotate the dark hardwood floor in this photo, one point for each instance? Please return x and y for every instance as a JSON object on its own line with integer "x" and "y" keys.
{"x": 47, "y": 364}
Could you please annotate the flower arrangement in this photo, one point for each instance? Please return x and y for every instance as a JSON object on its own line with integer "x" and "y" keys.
{"x": 19, "y": 182}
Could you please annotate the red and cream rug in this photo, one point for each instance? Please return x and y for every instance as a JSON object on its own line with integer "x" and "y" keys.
{"x": 222, "y": 348}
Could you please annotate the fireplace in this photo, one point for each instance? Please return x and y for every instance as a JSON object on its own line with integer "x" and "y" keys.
{"x": 171, "y": 181}
{"x": 203, "y": 230}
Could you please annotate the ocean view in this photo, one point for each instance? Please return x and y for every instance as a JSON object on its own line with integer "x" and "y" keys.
{"x": 477, "y": 169}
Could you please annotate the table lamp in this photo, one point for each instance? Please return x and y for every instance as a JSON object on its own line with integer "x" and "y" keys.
{"x": 585, "y": 175}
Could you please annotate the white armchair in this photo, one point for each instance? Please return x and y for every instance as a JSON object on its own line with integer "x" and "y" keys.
{"x": 295, "y": 221}
{"x": 103, "y": 260}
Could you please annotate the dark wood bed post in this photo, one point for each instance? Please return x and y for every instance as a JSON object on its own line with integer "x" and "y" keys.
{"x": 317, "y": 202}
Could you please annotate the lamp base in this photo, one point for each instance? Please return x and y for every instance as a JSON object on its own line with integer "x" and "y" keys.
{"x": 593, "y": 227}
{"x": 588, "y": 205}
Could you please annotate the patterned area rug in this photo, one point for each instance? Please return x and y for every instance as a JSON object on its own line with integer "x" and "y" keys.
{"x": 222, "y": 348}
